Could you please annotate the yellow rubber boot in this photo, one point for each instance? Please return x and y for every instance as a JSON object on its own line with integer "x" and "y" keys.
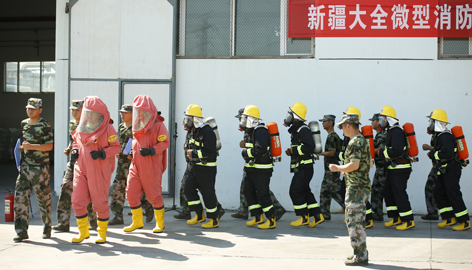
{"x": 213, "y": 223}
{"x": 369, "y": 224}
{"x": 256, "y": 220}
{"x": 102, "y": 231}
{"x": 316, "y": 220}
{"x": 83, "y": 230}
{"x": 159, "y": 214}
{"x": 447, "y": 222}
{"x": 269, "y": 224}
{"x": 301, "y": 221}
{"x": 462, "y": 227}
{"x": 406, "y": 225}
{"x": 137, "y": 220}
{"x": 392, "y": 222}
{"x": 196, "y": 219}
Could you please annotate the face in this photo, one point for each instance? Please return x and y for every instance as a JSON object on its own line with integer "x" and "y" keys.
{"x": 76, "y": 113}
{"x": 33, "y": 113}
{"x": 327, "y": 124}
{"x": 346, "y": 128}
{"x": 126, "y": 116}
{"x": 375, "y": 124}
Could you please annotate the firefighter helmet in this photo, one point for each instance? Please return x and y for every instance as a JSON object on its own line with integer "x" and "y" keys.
{"x": 194, "y": 110}
{"x": 253, "y": 111}
{"x": 439, "y": 115}
{"x": 388, "y": 111}
{"x": 299, "y": 109}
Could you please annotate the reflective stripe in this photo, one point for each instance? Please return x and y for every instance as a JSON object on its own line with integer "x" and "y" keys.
{"x": 399, "y": 166}
{"x": 460, "y": 214}
{"x": 313, "y": 205}
{"x": 298, "y": 207}
{"x": 299, "y": 149}
{"x": 445, "y": 209}
{"x": 248, "y": 145}
{"x": 436, "y": 155}
{"x": 248, "y": 152}
{"x": 369, "y": 211}
{"x": 259, "y": 166}
{"x": 254, "y": 206}
{"x": 199, "y": 153}
{"x": 392, "y": 208}
{"x": 385, "y": 153}
{"x": 191, "y": 141}
{"x": 267, "y": 208}
{"x": 406, "y": 213}
{"x": 341, "y": 156}
{"x": 212, "y": 210}
{"x": 194, "y": 202}
{"x": 308, "y": 161}
{"x": 208, "y": 164}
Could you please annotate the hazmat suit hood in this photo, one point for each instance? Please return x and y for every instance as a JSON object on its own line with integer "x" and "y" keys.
{"x": 94, "y": 119}
{"x": 144, "y": 114}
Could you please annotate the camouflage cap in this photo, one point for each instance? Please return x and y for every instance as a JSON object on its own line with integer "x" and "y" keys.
{"x": 240, "y": 112}
{"x": 351, "y": 118}
{"x": 375, "y": 117}
{"x": 328, "y": 117}
{"x": 126, "y": 108}
{"x": 34, "y": 103}
{"x": 76, "y": 104}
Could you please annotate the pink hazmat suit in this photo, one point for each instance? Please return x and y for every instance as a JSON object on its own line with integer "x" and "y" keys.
{"x": 145, "y": 172}
{"x": 92, "y": 177}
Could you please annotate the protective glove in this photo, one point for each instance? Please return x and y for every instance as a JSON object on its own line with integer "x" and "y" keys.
{"x": 74, "y": 154}
{"x": 98, "y": 154}
{"x": 147, "y": 151}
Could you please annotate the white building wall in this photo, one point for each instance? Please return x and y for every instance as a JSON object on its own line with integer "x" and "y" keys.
{"x": 368, "y": 73}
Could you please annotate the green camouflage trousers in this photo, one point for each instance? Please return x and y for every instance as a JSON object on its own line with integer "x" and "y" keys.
{"x": 64, "y": 203}
{"x": 243, "y": 208}
{"x": 34, "y": 178}
{"x": 428, "y": 192}
{"x": 330, "y": 190}
{"x": 355, "y": 220}
{"x": 183, "y": 199}
{"x": 118, "y": 196}
{"x": 377, "y": 192}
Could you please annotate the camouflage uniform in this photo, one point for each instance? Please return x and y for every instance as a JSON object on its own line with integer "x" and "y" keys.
{"x": 64, "y": 203}
{"x": 33, "y": 175}
{"x": 431, "y": 205}
{"x": 379, "y": 178}
{"x": 331, "y": 183}
{"x": 117, "y": 200}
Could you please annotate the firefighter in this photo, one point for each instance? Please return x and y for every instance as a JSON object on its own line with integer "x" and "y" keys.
{"x": 398, "y": 171}
{"x": 447, "y": 190}
{"x": 258, "y": 168}
{"x": 301, "y": 164}
{"x": 202, "y": 155}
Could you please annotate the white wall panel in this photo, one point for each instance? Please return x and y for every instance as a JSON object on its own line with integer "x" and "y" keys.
{"x": 145, "y": 46}
{"x": 95, "y": 39}
{"x": 159, "y": 94}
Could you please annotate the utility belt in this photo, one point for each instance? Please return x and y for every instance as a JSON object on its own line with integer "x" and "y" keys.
{"x": 444, "y": 163}
{"x": 297, "y": 162}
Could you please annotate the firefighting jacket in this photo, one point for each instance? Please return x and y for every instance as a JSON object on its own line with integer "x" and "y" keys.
{"x": 302, "y": 146}
{"x": 257, "y": 150}
{"x": 203, "y": 145}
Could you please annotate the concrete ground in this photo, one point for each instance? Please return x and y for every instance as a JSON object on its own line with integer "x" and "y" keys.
{"x": 233, "y": 246}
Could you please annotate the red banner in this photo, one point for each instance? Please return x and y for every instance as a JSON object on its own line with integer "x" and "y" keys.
{"x": 380, "y": 18}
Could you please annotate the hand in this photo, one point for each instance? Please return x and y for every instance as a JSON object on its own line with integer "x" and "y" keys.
{"x": 333, "y": 167}
{"x": 74, "y": 154}
{"x": 130, "y": 157}
{"x": 66, "y": 151}
{"x": 117, "y": 155}
{"x": 147, "y": 151}
{"x": 189, "y": 153}
{"x": 27, "y": 146}
{"x": 98, "y": 154}
{"x": 242, "y": 144}
{"x": 288, "y": 151}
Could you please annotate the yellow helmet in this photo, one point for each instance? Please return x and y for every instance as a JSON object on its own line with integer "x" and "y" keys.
{"x": 388, "y": 111}
{"x": 439, "y": 115}
{"x": 299, "y": 109}
{"x": 252, "y": 110}
{"x": 353, "y": 110}
{"x": 194, "y": 110}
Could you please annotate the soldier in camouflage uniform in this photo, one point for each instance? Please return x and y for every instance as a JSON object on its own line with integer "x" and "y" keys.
{"x": 64, "y": 203}
{"x": 243, "y": 212}
{"x": 124, "y": 161}
{"x": 356, "y": 171}
{"x": 380, "y": 171}
{"x": 331, "y": 182}
{"x": 431, "y": 206}
{"x": 37, "y": 141}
